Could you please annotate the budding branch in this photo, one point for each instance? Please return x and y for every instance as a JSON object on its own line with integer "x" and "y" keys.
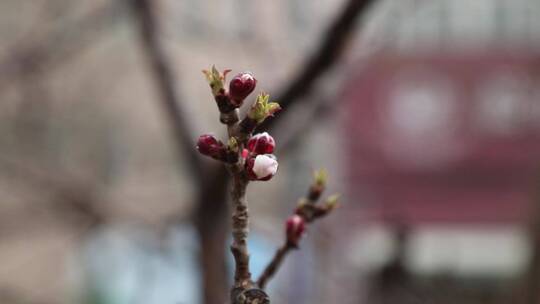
{"x": 308, "y": 211}
{"x": 249, "y": 158}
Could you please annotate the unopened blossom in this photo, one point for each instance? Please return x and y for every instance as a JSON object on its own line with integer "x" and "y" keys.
{"x": 295, "y": 227}
{"x": 241, "y": 86}
{"x": 208, "y": 145}
{"x": 261, "y": 143}
{"x": 261, "y": 167}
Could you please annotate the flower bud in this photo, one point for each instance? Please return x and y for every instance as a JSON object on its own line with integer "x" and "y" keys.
{"x": 241, "y": 86}
{"x": 261, "y": 143}
{"x": 245, "y": 153}
{"x": 295, "y": 227}
{"x": 262, "y": 167}
{"x": 210, "y": 146}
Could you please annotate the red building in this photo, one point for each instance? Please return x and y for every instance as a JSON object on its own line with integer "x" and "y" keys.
{"x": 445, "y": 138}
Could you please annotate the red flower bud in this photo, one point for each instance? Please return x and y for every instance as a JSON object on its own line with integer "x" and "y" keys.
{"x": 241, "y": 86}
{"x": 261, "y": 167}
{"x": 210, "y": 146}
{"x": 295, "y": 227}
{"x": 261, "y": 143}
{"x": 245, "y": 153}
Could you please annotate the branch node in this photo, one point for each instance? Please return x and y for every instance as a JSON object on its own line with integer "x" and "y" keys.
{"x": 249, "y": 296}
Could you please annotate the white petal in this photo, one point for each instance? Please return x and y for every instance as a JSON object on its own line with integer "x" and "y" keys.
{"x": 264, "y": 166}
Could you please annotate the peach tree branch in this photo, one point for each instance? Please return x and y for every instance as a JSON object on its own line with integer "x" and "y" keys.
{"x": 247, "y": 158}
{"x": 306, "y": 212}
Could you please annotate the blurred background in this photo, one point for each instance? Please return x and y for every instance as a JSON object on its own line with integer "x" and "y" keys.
{"x": 426, "y": 113}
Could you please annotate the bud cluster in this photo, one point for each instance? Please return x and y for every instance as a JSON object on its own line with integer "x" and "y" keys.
{"x": 239, "y": 88}
{"x": 308, "y": 210}
{"x": 256, "y": 159}
{"x": 261, "y": 164}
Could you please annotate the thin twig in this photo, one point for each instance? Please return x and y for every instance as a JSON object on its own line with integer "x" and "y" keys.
{"x": 309, "y": 211}
{"x": 274, "y": 264}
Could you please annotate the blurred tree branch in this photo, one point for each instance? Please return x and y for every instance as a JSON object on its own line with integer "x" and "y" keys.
{"x": 326, "y": 54}
{"x": 291, "y": 131}
{"x": 211, "y": 185}
{"x": 166, "y": 81}
{"x": 307, "y": 211}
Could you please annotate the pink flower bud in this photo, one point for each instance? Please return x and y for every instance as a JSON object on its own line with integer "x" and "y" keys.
{"x": 295, "y": 227}
{"x": 210, "y": 146}
{"x": 261, "y": 143}
{"x": 245, "y": 153}
{"x": 262, "y": 167}
{"x": 241, "y": 86}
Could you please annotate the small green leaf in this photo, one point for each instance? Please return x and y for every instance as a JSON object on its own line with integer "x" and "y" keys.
{"x": 332, "y": 201}
{"x": 320, "y": 177}
{"x": 262, "y": 108}
{"x": 216, "y": 79}
{"x": 233, "y": 144}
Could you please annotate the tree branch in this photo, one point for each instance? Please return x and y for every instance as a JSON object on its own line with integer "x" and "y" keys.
{"x": 274, "y": 264}
{"x": 329, "y": 51}
{"x": 166, "y": 80}
{"x": 308, "y": 211}
{"x": 240, "y": 216}
{"x": 240, "y": 229}
{"x": 211, "y": 183}
{"x": 210, "y": 210}
{"x": 291, "y": 130}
